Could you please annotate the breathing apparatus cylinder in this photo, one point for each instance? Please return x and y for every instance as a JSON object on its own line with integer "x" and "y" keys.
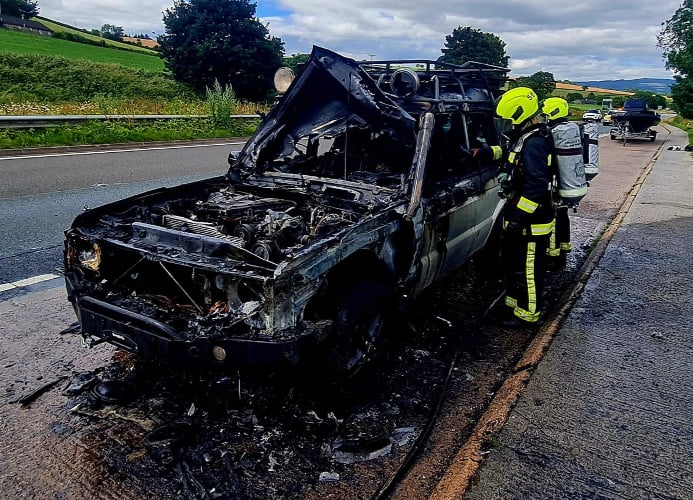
{"x": 570, "y": 168}
{"x": 590, "y": 148}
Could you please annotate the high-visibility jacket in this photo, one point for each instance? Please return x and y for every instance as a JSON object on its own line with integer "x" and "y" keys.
{"x": 529, "y": 160}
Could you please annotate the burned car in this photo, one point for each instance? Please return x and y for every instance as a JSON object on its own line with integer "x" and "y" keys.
{"x": 359, "y": 189}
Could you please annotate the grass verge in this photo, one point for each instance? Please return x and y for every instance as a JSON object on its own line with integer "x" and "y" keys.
{"x": 111, "y": 132}
{"x": 685, "y": 124}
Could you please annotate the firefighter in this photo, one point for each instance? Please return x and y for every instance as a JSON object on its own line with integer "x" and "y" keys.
{"x": 528, "y": 215}
{"x": 569, "y": 169}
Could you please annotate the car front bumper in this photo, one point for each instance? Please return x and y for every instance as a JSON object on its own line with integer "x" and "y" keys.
{"x": 156, "y": 341}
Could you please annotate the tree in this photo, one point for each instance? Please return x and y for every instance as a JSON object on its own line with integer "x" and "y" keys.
{"x": 676, "y": 40}
{"x": 468, "y": 44}
{"x": 220, "y": 40}
{"x": 112, "y": 32}
{"x": 573, "y": 96}
{"x": 294, "y": 61}
{"x": 541, "y": 82}
{"x": 617, "y": 101}
{"x": 682, "y": 96}
{"x": 25, "y": 9}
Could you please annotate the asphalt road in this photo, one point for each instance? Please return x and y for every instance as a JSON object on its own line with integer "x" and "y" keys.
{"x": 41, "y": 193}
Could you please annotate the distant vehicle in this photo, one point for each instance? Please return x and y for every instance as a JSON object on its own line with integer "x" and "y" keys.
{"x": 592, "y": 115}
{"x": 606, "y": 118}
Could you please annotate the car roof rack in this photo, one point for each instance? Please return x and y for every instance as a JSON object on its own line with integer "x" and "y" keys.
{"x": 425, "y": 80}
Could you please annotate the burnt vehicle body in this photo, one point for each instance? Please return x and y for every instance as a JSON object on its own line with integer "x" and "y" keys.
{"x": 359, "y": 189}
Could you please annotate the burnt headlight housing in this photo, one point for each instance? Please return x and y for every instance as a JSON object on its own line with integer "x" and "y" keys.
{"x": 86, "y": 254}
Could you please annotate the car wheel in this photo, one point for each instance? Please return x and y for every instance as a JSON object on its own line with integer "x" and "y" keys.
{"x": 360, "y": 317}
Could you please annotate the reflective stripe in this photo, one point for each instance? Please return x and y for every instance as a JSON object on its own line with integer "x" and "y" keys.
{"x": 567, "y": 247}
{"x": 542, "y": 229}
{"x": 510, "y": 301}
{"x": 511, "y": 157}
{"x": 529, "y": 273}
{"x": 527, "y": 205}
{"x": 527, "y": 316}
{"x": 573, "y": 193}
{"x": 548, "y": 160}
{"x": 497, "y": 152}
{"x": 553, "y": 250}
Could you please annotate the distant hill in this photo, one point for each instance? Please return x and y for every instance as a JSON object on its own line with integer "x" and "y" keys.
{"x": 656, "y": 85}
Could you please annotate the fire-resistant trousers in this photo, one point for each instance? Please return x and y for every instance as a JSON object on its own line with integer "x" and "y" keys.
{"x": 524, "y": 261}
{"x": 559, "y": 243}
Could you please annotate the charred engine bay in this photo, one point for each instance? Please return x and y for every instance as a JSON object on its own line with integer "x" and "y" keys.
{"x": 284, "y": 434}
{"x": 200, "y": 259}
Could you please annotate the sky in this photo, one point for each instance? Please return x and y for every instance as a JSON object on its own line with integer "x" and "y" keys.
{"x": 576, "y": 40}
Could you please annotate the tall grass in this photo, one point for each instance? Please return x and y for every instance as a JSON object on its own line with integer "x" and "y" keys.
{"x": 685, "y": 124}
{"x": 221, "y": 102}
{"x": 58, "y": 79}
{"x": 110, "y": 132}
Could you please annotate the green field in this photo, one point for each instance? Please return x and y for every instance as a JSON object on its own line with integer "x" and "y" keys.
{"x": 25, "y": 43}
{"x": 61, "y": 28}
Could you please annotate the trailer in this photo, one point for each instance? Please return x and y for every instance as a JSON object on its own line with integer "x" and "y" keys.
{"x": 624, "y": 131}
{"x": 634, "y": 122}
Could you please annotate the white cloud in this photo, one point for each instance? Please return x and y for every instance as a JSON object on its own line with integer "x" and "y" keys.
{"x": 133, "y": 16}
{"x": 577, "y": 40}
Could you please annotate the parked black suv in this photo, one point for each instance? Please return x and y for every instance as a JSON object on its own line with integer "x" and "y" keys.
{"x": 360, "y": 188}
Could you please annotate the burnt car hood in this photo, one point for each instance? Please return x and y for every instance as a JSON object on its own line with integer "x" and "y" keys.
{"x": 331, "y": 95}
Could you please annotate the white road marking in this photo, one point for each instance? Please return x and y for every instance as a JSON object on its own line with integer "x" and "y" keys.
{"x": 27, "y": 282}
{"x": 85, "y": 153}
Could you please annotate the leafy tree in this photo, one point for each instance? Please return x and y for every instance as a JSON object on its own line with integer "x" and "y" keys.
{"x": 682, "y": 96}
{"x": 573, "y": 96}
{"x": 542, "y": 82}
{"x": 19, "y": 8}
{"x": 223, "y": 41}
{"x": 294, "y": 61}
{"x": 676, "y": 39}
{"x": 468, "y": 44}
{"x": 112, "y": 32}
{"x": 617, "y": 101}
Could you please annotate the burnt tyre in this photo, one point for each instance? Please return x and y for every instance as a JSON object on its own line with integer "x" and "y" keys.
{"x": 360, "y": 330}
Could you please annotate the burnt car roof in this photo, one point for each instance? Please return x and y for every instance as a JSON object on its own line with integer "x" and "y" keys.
{"x": 334, "y": 93}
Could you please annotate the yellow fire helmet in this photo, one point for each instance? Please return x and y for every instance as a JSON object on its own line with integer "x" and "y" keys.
{"x": 517, "y": 105}
{"x": 555, "y": 108}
